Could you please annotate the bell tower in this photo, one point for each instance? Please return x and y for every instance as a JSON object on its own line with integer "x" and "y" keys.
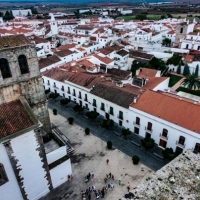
{"x": 20, "y": 76}
{"x": 54, "y": 26}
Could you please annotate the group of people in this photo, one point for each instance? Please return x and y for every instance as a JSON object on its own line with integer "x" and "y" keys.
{"x": 90, "y": 174}
{"x": 98, "y": 193}
{"x": 108, "y": 176}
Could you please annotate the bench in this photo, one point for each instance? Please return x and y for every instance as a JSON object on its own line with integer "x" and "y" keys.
{"x": 84, "y": 116}
{"x": 135, "y": 143}
{"x": 158, "y": 155}
{"x": 116, "y": 133}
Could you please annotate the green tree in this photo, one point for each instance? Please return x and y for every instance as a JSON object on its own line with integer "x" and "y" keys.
{"x": 178, "y": 71}
{"x": 166, "y": 42}
{"x": 156, "y": 63}
{"x": 125, "y": 132}
{"x": 141, "y": 16}
{"x": 135, "y": 159}
{"x": 8, "y": 16}
{"x": 33, "y": 10}
{"x": 191, "y": 82}
{"x": 186, "y": 70}
{"x": 197, "y": 71}
{"x": 135, "y": 66}
{"x": 1, "y": 14}
{"x": 174, "y": 60}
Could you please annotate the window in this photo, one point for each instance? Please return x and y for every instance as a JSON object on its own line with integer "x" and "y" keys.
{"x": 198, "y": 48}
{"x": 54, "y": 84}
{"x": 5, "y": 69}
{"x": 111, "y": 110}
{"x": 3, "y": 176}
{"x": 197, "y": 148}
{"x": 187, "y": 45}
{"x": 85, "y": 97}
{"x": 102, "y": 106}
{"x": 62, "y": 88}
{"x": 181, "y": 31}
{"x": 79, "y": 95}
{"x": 23, "y": 64}
{"x": 137, "y": 120}
{"x": 162, "y": 143}
{"x": 181, "y": 140}
{"x": 74, "y": 92}
{"x": 136, "y": 130}
{"x": 120, "y": 115}
{"x": 48, "y": 83}
{"x": 165, "y": 132}
{"x": 149, "y": 126}
{"x": 94, "y": 103}
{"x": 68, "y": 90}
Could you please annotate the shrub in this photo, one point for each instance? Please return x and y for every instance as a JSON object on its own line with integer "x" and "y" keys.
{"x": 107, "y": 123}
{"x": 126, "y": 132}
{"x": 64, "y": 102}
{"x": 168, "y": 153}
{"x": 78, "y": 108}
{"x": 109, "y": 145}
{"x": 54, "y": 95}
{"x": 92, "y": 114}
{"x": 148, "y": 143}
{"x": 71, "y": 120}
{"x": 135, "y": 159}
{"x": 55, "y": 111}
{"x": 47, "y": 91}
{"x": 87, "y": 131}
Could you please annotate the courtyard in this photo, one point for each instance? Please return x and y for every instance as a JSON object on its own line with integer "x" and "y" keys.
{"x": 90, "y": 155}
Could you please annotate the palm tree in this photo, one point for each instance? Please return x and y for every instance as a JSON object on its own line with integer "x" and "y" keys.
{"x": 191, "y": 82}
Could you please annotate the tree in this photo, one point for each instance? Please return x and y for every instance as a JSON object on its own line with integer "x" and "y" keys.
{"x": 156, "y": 63}
{"x": 107, "y": 123}
{"x": 135, "y": 159}
{"x": 1, "y": 14}
{"x": 197, "y": 71}
{"x": 178, "y": 71}
{"x": 64, "y": 102}
{"x": 141, "y": 16}
{"x": 148, "y": 143}
{"x": 33, "y": 10}
{"x": 28, "y": 14}
{"x": 166, "y": 42}
{"x": 87, "y": 131}
{"x": 70, "y": 120}
{"x": 8, "y": 16}
{"x": 186, "y": 70}
{"x": 191, "y": 82}
{"x": 126, "y": 132}
{"x": 109, "y": 145}
{"x": 174, "y": 60}
{"x": 135, "y": 66}
{"x": 55, "y": 111}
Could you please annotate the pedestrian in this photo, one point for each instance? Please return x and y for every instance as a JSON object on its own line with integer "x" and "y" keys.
{"x": 92, "y": 174}
{"x": 128, "y": 186}
{"x": 112, "y": 185}
{"x": 112, "y": 177}
{"x": 119, "y": 182}
{"x": 105, "y": 180}
{"x": 86, "y": 179}
{"x": 89, "y": 196}
{"x": 107, "y": 161}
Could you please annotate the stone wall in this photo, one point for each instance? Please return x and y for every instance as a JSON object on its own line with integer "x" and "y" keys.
{"x": 29, "y": 85}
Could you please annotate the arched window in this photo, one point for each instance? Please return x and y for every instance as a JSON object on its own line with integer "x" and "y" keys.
{"x": 181, "y": 31}
{"x": 5, "y": 69}
{"x": 3, "y": 176}
{"x": 23, "y": 64}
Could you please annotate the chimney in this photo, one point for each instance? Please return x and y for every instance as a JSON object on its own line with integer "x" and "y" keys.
{"x": 135, "y": 100}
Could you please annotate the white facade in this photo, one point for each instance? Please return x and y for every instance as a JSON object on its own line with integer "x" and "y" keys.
{"x": 54, "y": 26}
{"x": 21, "y": 12}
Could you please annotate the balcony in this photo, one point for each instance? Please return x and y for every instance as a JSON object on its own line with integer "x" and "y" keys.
{"x": 163, "y": 137}
{"x": 120, "y": 117}
{"x": 85, "y": 99}
{"x": 182, "y": 146}
{"x": 63, "y": 89}
{"x": 74, "y": 94}
{"x": 55, "y": 86}
{"x": 79, "y": 97}
{"x": 136, "y": 124}
{"x": 48, "y": 83}
{"x": 148, "y": 130}
{"x": 68, "y": 92}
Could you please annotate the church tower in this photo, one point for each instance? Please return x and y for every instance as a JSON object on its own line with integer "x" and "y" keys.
{"x": 20, "y": 76}
{"x": 54, "y": 26}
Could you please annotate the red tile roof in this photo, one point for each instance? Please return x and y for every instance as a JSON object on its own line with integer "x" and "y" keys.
{"x": 105, "y": 59}
{"x": 64, "y": 53}
{"x": 147, "y": 73}
{"x": 188, "y": 58}
{"x": 13, "y": 118}
{"x": 153, "y": 82}
{"x": 45, "y": 62}
{"x": 170, "y": 108}
{"x": 13, "y": 41}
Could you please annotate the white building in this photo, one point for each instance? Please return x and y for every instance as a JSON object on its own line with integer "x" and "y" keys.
{"x": 21, "y": 12}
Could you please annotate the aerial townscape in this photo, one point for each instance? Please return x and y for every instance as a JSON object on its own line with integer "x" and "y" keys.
{"x": 100, "y": 100}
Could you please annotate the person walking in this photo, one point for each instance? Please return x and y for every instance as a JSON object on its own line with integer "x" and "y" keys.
{"x": 119, "y": 182}
{"x": 112, "y": 177}
{"x": 128, "y": 186}
{"x": 107, "y": 161}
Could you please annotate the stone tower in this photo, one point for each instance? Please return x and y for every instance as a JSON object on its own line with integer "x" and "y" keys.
{"x": 182, "y": 30}
{"x": 20, "y": 76}
{"x": 54, "y": 27}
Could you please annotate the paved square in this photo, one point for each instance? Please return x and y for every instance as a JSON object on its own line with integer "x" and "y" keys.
{"x": 91, "y": 155}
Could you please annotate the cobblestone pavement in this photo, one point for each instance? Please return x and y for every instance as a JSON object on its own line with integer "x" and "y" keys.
{"x": 91, "y": 155}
